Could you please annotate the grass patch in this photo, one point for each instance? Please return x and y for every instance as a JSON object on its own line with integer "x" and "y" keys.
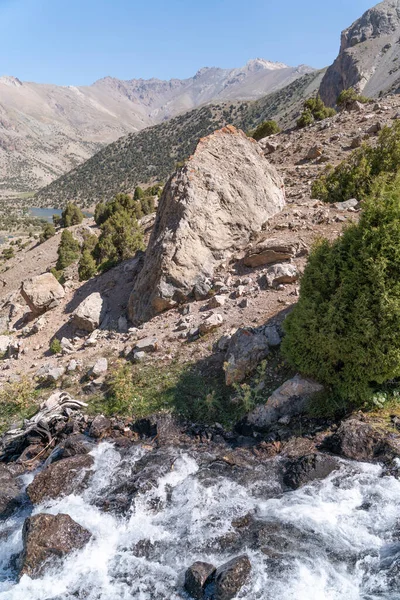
{"x": 194, "y": 391}
{"x": 18, "y": 401}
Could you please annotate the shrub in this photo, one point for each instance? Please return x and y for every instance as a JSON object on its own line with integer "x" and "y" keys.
{"x": 57, "y": 221}
{"x": 87, "y": 266}
{"x": 55, "y": 346}
{"x": 72, "y": 215}
{"x": 99, "y": 212}
{"x": 17, "y": 401}
{"x": 8, "y": 253}
{"x": 68, "y": 250}
{"x": 314, "y": 110}
{"x": 121, "y": 236}
{"x": 345, "y": 329}
{"x": 47, "y": 232}
{"x": 348, "y": 97}
{"x": 265, "y": 130}
{"x": 139, "y": 194}
{"x": 356, "y": 176}
{"x": 59, "y": 275}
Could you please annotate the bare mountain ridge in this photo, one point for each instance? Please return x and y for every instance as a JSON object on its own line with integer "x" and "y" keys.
{"x": 369, "y": 56}
{"x": 152, "y": 154}
{"x": 46, "y": 130}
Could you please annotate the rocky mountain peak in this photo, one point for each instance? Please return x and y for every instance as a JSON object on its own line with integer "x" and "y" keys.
{"x": 259, "y": 64}
{"x": 10, "y": 81}
{"x": 380, "y": 20}
{"x": 369, "y": 55}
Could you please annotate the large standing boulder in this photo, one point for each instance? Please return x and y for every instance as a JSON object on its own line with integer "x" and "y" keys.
{"x": 48, "y": 538}
{"x": 90, "y": 313}
{"x": 42, "y": 293}
{"x": 225, "y": 193}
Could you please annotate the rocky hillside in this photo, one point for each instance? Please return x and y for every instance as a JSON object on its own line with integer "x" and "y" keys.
{"x": 46, "y": 130}
{"x": 369, "y": 57}
{"x": 152, "y": 154}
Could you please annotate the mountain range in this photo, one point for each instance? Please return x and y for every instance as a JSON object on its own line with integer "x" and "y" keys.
{"x": 46, "y": 130}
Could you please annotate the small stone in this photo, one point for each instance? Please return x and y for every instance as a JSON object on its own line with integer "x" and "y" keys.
{"x": 217, "y": 302}
{"x": 100, "y": 427}
{"x": 244, "y": 303}
{"x": 99, "y": 368}
{"x": 66, "y": 346}
{"x": 149, "y": 344}
{"x": 139, "y": 356}
{"x": 72, "y": 366}
{"x": 211, "y": 323}
{"x": 49, "y": 373}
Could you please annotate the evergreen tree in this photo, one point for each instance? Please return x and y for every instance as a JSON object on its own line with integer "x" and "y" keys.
{"x": 72, "y": 215}
{"x": 87, "y": 266}
{"x": 68, "y": 250}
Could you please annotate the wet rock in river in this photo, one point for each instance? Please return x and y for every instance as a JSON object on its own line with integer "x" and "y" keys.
{"x": 64, "y": 477}
{"x": 47, "y": 538}
{"x": 196, "y": 578}
{"x": 231, "y": 577}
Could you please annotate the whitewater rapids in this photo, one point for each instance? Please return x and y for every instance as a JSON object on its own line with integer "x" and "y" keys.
{"x": 342, "y": 536}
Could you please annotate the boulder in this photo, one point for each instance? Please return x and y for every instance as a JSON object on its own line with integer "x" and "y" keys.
{"x": 100, "y": 427}
{"x": 231, "y": 577}
{"x": 99, "y": 368}
{"x": 64, "y": 477}
{"x": 49, "y": 373}
{"x": 196, "y": 578}
{"x": 270, "y": 251}
{"x": 90, "y": 313}
{"x": 47, "y": 538}
{"x": 42, "y": 293}
{"x": 357, "y": 440}
{"x": 149, "y": 344}
{"x": 288, "y": 400}
{"x": 245, "y": 352}
{"x": 9, "y": 492}
{"x": 314, "y": 152}
{"x": 5, "y": 343}
{"x": 217, "y": 301}
{"x": 225, "y": 193}
{"x": 211, "y": 323}
{"x": 281, "y": 273}
{"x": 303, "y": 470}
{"x": 347, "y": 204}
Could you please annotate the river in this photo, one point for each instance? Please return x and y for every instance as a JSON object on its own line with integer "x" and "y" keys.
{"x": 336, "y": 539}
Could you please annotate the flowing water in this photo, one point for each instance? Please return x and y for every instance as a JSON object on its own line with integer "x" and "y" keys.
{"x": 331, "y": 540}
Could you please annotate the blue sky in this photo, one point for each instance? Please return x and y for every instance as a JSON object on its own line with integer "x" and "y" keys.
{"x": 78, "y": 41}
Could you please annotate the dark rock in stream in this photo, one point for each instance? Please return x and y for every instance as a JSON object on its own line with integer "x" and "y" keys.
{"x": 64, "y": 477}
{"x": 303, "y": 470}
{"x": 9, "y": 492}
{"x": 231, "y": 577}
{"x": 47, "y": 538}
{"x": 357, "y": 440}
{"x": 197, "y": 577}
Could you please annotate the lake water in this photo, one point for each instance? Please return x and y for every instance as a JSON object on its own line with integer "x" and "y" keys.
{"x": 47, "y": 213}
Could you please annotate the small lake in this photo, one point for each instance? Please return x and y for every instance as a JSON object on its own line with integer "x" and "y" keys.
{"x": 47, "y": 213}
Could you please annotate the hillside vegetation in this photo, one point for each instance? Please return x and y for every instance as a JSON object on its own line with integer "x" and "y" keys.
{"x": 152, "y": 154}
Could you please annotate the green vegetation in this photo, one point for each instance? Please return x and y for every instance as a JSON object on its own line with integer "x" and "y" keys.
{"x": 17, "y": 402}
{"x": 71, "y": 215}
{"x": 87, "y": 266}
{"x": 265, "y": 130}
{"x": 356, "y": 176}
{"x": 348, "y": 97}
{"x": 152, "y": 154}
{"x": 47, "y": 233}
{"x": 55, "y": 346}
{"x": 345, "y": 329}
{"x": 8, "y": 253}
{"x": 314, "y": 110}
{"x": 68, "y": 250}
{"x": 120, "y": 238}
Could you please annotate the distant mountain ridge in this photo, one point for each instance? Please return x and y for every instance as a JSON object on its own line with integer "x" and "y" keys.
{"x": 46, "y": 130}
{"x": 152, "y": 154}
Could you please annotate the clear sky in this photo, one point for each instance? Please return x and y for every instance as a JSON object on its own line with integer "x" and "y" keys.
{"x": 78, "y": 41}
